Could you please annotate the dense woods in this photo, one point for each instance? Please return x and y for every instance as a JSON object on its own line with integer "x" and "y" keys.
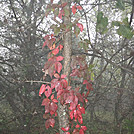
{"x": 97, "y": 33}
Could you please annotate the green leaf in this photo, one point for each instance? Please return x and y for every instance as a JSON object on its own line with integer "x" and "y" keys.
{"x": 125, "y": 31}
{"x": 92, "y": 76}
{"x": 120, "y": 4}
{"x": 102, "y": 23}
{"x": 99, "y": 17}
{"x": 83, "y": 44}
{"x": 125, "y": 21}
{"x": 116, "y": 23}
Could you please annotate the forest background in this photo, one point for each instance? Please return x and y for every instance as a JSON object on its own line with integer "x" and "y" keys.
{"x": 106, "y": 42}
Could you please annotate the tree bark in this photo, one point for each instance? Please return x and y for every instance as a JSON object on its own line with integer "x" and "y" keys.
{"x": 62, "y": 109}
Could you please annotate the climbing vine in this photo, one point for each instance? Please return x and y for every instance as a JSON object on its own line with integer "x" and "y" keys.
{"x": 60, "y": 89}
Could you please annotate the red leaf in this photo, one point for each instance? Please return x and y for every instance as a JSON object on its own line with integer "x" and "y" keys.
{"x": 61, "y": 13}
{"x": 85, "y": 82}
{"x": 44, "y": 44}
{"x": 53, "y": 107}
{"x": 52, "y": 122}
{"x": 59, "y": 58}
{"x": 69, "y": 99}
{"x": 58, "y": 66}
{"x": 86, "y": 100}
{"x": 89, "y": 86}
{"x": 65, "y": 129}
{"x": 56, "y": 75}
{"x": 52, "y": 47}
{"x": 42, "y": 89}
{"x": 55, "y": 101}
{"x": 76, "y": 131}
{"x": 80, "y": 120}
{"x": 64, "y": 83}
{"x": 45, "y": 102}
{"x": 77, "y": 126}
{"x": 75, "y": 115}
{"x": 71, "y": 114}
{"x": 48, "y": 92}
{"x": 74, "y": 9}
{"x": 52, "y": 96}
{"x": 63, "y": 76}
{"x": 81, "y": 131}
{"x": 84, "y": 128}
{"x": 80, "y": 97}
{"x": 47, "y": 108}
{"x": 53, "y": 83}
{"x": 51, "y": 112}
{"x": 61, "y": 47}
{"x": 73, "y": 105}
{"x": 80, "y": 26}
{"x": 79, "y": 7}
{"x": 47, "y": 124}
{"x": 58, "y": 86}
{"x": 55, "y": 51}
{"x": 82, "y": 109}
{"x": 51, "y": 70}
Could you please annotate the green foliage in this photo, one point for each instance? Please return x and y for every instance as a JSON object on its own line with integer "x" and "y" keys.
{"x": 124, "y": 29}
{"x": 129, "y": 124}
{"x": 84, "y": 44}
{"x": 102, "y": 23}
{"x": 91, "y": 71}
{"x": 120, "y": 4}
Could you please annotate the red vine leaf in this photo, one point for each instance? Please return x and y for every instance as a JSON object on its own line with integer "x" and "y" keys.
{"x": 52, "y": 47}
{"x": 77, "y": 126}
{"x": 61, "y": 47}
{"x": 59, "y": 58}
{"x": 74, "y": 9}
{"x": 48, "y": 92}
{"x": 79, "y": 7}
{"x": 81, "y": 131}
{"x": 61, "y": 13}
{"x": 53, "y": 107}
{"x": 65, "y": 129}
{"x": 63, "y": 76}
{"x": 52, "y": 96}
{"x": 55, "y": 51}
{"x": 74, "y": 103}
{"x": 56, "y": 75}
{"x": 84, "y": 128}
{"x": 71, "y": 114}
{"x": 80, "y": 26}
{"x": 42, "y": 89}
{"x": 45, "y": 102}
{"x": 58, "y": 66}
{"x": 49, "y": 122}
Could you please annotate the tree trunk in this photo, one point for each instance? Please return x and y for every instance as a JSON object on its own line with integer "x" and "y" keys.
{"x": 62, "y": 109}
